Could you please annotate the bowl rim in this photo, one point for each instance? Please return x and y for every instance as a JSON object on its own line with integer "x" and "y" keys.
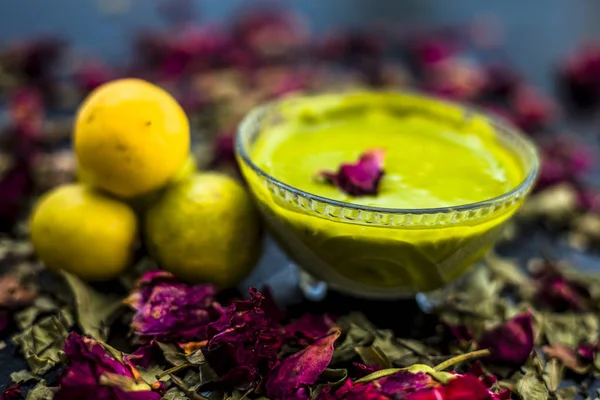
{"x": 499, "y": 125}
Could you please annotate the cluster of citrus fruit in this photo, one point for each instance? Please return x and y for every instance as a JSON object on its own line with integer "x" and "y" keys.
{"x": 137, "y": 179}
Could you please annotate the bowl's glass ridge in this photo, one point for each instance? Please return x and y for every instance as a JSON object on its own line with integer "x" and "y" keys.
{"x": 383, "y": 252}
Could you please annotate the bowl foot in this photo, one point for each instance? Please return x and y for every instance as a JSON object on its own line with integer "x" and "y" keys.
{"x": 313, "y": 289}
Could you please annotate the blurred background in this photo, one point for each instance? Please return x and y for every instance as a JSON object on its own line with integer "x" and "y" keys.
{"x": 538, "y": 32}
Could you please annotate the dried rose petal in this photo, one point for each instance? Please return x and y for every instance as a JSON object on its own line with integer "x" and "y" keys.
{"x": 142, "y": 357}
{"x": 511, "y": 342}
{"x": 587, "y": 351}
{"x": 579, "y": 76}
{"x": 477, "y": 370}
{"x": 92, "y": 373}
{"x": 362, "y": 178}
{"x": 308, "y": 328}
{"x": 463, "y": 387}
{"x": 532, "y": 110}
{"x": 12, "y": 392}
{"x": 460, "y": 332}
{"x": 243, "y": 343}
{"x": 399, "y": 385}
{"x": 302, "y": 368}
{"x": 171, "y": 311}
{"x": 553, "y": 289}
{"x": 567, "y": 356}
{"x": 564, "y": 160}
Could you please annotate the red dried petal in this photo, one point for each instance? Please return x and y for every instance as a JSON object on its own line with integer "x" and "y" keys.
{"x": 243, "y": 344}
{"x": 308, "y": 328}
{"x": 510, "y": 343}
{"x": 362, "y": 178}
{"x": 566, "y": 355}
{"x": 12, "y": 392}
{"x": 171, "y": 311}
{"x": 302, "y": 368}
{"x": 587, "y": 351}
{"x": 554, "y": 290}
{"x": 463, "y": 387}
{"x": 92, "y": 373}
{"x": 564, "y": 160}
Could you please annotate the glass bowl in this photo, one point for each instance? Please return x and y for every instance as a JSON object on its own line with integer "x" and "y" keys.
{"x": 373, "y": 252}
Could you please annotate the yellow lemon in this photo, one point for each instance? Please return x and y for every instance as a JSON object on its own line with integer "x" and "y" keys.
{"x": 84, "y": 232}
{"x": 205, "y": 228}
{"x": 131, "y": 137}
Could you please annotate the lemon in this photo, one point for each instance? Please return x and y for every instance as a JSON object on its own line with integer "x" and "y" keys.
{"x": 84, "y": 232}
{"x": 205, "y": 229}
{"x": 131, "y": 137}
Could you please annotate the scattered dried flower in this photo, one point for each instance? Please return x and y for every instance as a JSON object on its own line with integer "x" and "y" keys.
{"x": 359, "y": 179}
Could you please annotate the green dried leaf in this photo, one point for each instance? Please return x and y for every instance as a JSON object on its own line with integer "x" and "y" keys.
{"x": 531, "y": 387}
{"x": 182, "y": 386}
{"x": 373, "y": 356}
{"x": 196, "y": 358}
{"x": 40, "y": 392}
{"x": 507, "y": 270}
{"x": 334, "y": 377}
{"x": 93, "y": 309}
{"x": 553, "y": 374}
{"x": 357, "y": 331}
{"x": 42, "y": 342}
{"x": 192, "y": 380}
{"x": 439, "y": 376}
{"x": 175, "y": 394}
{"x": 23, "y": 376}
{"x": 40, "y": 306}
{"x": 570, "y": 329}
{"x": 566, "y": 393}
{"x": 149, "y": 374}
{"x": 207, "y": 374}
{"x": 172, "y": 354}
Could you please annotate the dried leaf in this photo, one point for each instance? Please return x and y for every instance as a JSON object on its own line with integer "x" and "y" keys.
{"x": 40, "y": 392}
{"x": 334, "y": 377}
{"x": 373, "y": 356}
{"x": 531, "y": 387}
{"x": 23, "y": 376}
{"x": 566, "y": 393}
{"x": 175, "y": 394}
{"x": 172, "y": 354}
{"x": 93, "y": 309}
{"x": 41, "y": 305}
{"x": 196, "y": 358}
{"x": 42, "y": 342}
{"x": 553, "y": 374}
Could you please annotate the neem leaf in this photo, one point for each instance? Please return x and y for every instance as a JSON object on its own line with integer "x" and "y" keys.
{"x": 93, "y": 309}
{"x": 531, "y": 387}
{"x": 334, "y": 377}
{"x": 566, "y": 393}
{"x": 196, "y": 358}
{"x": 553, "y": 374}
{"x": 175, "y": 394}
{"x": 373, "y": 356}
{"x": 172, "y": 354}
{"x": 41, "y": 305}
{"x": 40, "y": 392}
{"x": 23, "y": 376}
{"x": 42, "y": 342}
